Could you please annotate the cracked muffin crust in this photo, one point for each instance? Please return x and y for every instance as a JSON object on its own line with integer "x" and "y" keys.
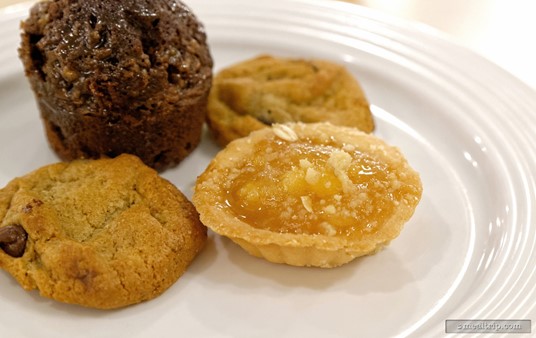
{"x": 99, "y": 233}
{"x": 114, "y": 77}
{"x": 258, "y": 92}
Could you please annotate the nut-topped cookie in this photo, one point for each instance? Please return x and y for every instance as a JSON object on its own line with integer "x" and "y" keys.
{"x": 99, "y": 233}
{"x": 264, "y": 90}
{"x": 308, "y": 194}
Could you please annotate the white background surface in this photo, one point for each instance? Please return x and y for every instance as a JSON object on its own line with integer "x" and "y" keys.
{"x": 500, "y": 30}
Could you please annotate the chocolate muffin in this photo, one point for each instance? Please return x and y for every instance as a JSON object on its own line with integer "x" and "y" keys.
{"x": 114, "y": 77}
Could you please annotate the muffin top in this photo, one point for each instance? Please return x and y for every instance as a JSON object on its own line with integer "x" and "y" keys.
{"x": 109, "y": 56}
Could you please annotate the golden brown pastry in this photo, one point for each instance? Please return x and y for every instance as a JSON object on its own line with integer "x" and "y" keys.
{"x": 256, "y": 93}
{"x": 308, "y": 194}
{"x": 104, "y": 234}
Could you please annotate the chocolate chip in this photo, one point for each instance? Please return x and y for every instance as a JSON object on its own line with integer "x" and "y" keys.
{"x": 13, "y": 240}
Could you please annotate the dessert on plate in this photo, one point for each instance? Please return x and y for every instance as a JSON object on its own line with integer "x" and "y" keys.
{"x": 113, "y": 77}
{"x": 308, "y": 194}
{"x": 101, "y": 233}
{"x": 258, "y": 92}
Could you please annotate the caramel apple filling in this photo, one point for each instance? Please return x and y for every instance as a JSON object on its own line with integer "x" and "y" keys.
{"x": 307, "y": 188}
{"x": 308, "y": 194}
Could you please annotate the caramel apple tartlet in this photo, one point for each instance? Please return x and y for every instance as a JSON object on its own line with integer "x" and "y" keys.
{"x": 308, "y": 194}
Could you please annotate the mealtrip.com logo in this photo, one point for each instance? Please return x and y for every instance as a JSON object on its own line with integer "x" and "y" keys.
{"x": 488, "y": 326}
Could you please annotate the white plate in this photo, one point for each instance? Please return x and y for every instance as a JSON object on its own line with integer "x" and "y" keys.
{"x": 464, "y": 124}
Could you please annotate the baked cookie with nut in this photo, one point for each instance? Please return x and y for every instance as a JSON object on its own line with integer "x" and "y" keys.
{"x": 101, "y": 233}
{"x": 256, "y": 93}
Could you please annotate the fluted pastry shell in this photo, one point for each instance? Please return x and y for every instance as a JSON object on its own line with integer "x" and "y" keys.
{"x": 227, "y": 204}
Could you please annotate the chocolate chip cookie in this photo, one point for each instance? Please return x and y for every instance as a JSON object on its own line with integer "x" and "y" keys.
{"x": 99, "y": 233}
{"x": 256, "y": 93}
